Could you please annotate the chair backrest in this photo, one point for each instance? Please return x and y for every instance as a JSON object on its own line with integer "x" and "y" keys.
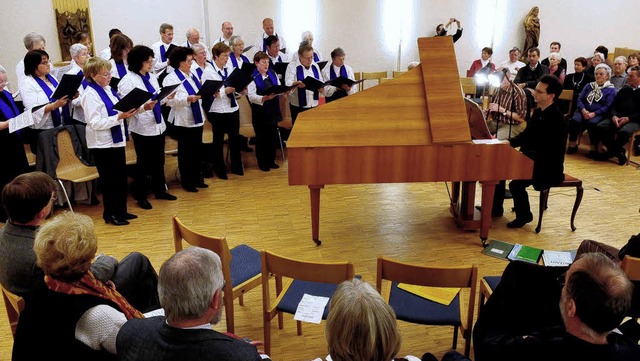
{"x": 69, "y": 164}
{"x": 468, "y": 86}
{"x": 624, "y": 52}
{"x": 397, "y": 73}
{"x": 325, "y": 272}
{"x": 373, "y": 75}
{"x": 631, "y": 266}
{"x": 357, "y": 76}
{"x": 567, "y": 96}
{"x": 130, "y": 152}
{"x": 14, "y": 305}
{"x": 207, "y": 132}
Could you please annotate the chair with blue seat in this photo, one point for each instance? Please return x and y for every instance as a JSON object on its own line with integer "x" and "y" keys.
{"x": 487, "y": 285}
{"x": 240, "y": 265}
{"x": 293, "y": 279}
{"x": 415, "y": 309}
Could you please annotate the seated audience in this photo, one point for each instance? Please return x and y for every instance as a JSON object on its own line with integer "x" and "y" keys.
{"x": 190, "y": 288}
{"x": 555, "y": 68}
{"x": 29, "y": 200}
{"x": 74, "y": 316}
{"x": 338, "y": 68}
{"x": 633, "y": 60}
{"x": 605, "y": 54}
{"x": 619, "y": 76}
{"x": 598, "y": 58}
{"x": 508, "y": 110}
{"x": 513, "y": 64}
{"x": 482, "y": 65}
{"x": 616, "y": 130}
{"x": 577, "y": 81}
{"x": 594, "y": 296}
{"x": 593, "y": 106}
{"x": 528, "y": 76}
{"x": 555, "y": 47}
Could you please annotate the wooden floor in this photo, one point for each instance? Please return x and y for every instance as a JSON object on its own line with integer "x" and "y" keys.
{"x": 409, "y": 222}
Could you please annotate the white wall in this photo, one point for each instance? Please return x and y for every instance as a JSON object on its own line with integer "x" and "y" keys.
{"x": 361, "y": 27}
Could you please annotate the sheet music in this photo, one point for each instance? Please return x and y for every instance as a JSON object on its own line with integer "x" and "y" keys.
{"x": 21, "y": 121}
{"x": 311, "y": 308}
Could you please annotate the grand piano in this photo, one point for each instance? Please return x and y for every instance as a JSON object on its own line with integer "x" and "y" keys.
{"x": 411, "y": 129}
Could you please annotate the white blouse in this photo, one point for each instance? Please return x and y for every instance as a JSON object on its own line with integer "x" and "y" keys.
{"x": 76, "y": 106}
{"x": 99, "y": 123}
{"x": 221, "y": 103}
{"x": 181, "y": 114}
{"x": 32, "y": 96}
{"x": 144, "y": 121}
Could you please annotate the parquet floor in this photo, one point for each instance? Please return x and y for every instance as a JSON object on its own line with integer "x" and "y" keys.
{"x": 409, "y": 222}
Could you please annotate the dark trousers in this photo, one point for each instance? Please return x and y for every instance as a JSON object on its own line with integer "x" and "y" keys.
{"x": 149, "y": 173}
{"x": 498, "y": 198}
{"x": 294, "y": 115}
{"x": 336, "y": 95}
{"x": 112, "y": 168}
{"x": 137, "y": 281}
{"x": 518, "y": 190}
{"x": 577, "y": 123}
{"x": 266, "y": 136}
{"x": 189, "y": 155}
{"x": 228, "y": 123}
{"x": 615, "y": 138}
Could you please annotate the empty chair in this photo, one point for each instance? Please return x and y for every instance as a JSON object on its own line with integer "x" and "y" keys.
{"x": 240, "y": 265}
{"x": 313, "y": 278}
{"x": 415, "y": 309}
{"x": 374, "y": 75}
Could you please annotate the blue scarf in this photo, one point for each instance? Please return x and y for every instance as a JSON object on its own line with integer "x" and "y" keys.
{"x": 116, "y": 131}
{"x": 260, "y": 85}
{"x": 199, "y": 72}
{"x": 271, "y": 107}
{"x": 122, "y": 70}
{"x": 234, "y": 61}
{"x": 332, "y": 73}
{"x": 55, "y": 114}
{"x": 163, "y": 53}
{"x": 195, "y": 107}
{"x": 84, "y": 80}
{"x": 302, "y": 93}
{"x": 230, "y": 96}
{"x": 9, "y": 110}
{"x": 316, "y": 58}
{"x": 156, "y": 109}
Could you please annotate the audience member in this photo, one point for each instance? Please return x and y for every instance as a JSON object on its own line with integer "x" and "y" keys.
{"x": 593, "y": 106}
{"x": 513, "y": 64}
{"x": 442, "y": 29}
{"x": 190, "y": 288}
{"x": 484, "y": 65}
{"x": 605, "y": 54}
{"x": 554, "y": 66}
{"x": 619, "y": 76}
{"x": 577, "y": 81}
{"x": 74, "y": 316}
{"x": 633, "y": 60}
{"x": 508, "y": 110}
{"x": 555, "y": 47}
{"x": 528, "y": 76}
{"x": 106, "y": 52}
{"x": 598, "y": 58}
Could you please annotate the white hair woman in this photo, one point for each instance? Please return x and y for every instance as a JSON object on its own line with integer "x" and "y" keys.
{"x": 555, "y": 68}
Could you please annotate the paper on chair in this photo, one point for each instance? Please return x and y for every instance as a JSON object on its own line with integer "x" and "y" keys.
{"x": 311, "y": 308}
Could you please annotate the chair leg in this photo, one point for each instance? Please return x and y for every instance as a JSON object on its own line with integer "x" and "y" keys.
{"x": 281, "y": 145}
{"x": 579, "y": 192}
{"x": 267, "y": 334}
{"x": 228, "y": 309}
{"x": 455, "y": 337}
{"x": 280, "y": 321}
{"x": 66, "y": 195}
{"x": 467, "y": 346}
{"x": 544, "y": 197}
{"x": 241, "y": 300}
{"x": 299, "y": 328}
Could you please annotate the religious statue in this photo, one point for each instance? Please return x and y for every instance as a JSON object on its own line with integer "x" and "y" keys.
{"x": 532, "y": 32}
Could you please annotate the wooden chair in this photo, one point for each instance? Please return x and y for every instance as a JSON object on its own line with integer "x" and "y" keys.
{"x": 130, "y": 152}
{"x": 631, "y": 266}
{"x": 415, "y": 309}
{"x": 384, "y": 80}
{"x": 629, "y": 148}
{"x": 358, "y": 76}
{"x": 373, "y": 75}
{"x": 397, "y": 73}
{"x": 468, "y": 87}
{"x": 569, "y": 181}
{"x": 314, "y": 278}
{"x": 170, "y": 146}
{"x": 240, "y": 265}
{"x": 567, "y": 96}
{"x": 70, "y": 168}
{"x": 487, "y": 285}
{"x": 31, "y": 158}
{"x": 14, "y": 305}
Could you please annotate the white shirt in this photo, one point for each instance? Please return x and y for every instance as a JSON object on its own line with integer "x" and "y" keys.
{"x": 513, "y": 67}
{"x": 99, "y": 123}
{"x": 194, "y": 69}
{"x": 294, "y": 56}
{"x": 114, "y": 69}
{"x": 221, "y": 103}
{"x": 291, "y": 76}
{"x": 181, "y": 114}
{"x": 187, "y": 44}
{"x": 252, "y": 90}
{"x": 257, "y": 46}
{"x": 105, "y": 53}
{"x": 20, "y": 71}
{"x": 329, "y": 90}
{"x": 221, "y": 39}
{"x": 32, "y": 96}
{"x": 158, "y": 64}
{"x": 238, "y": 60}
{"x": 144, "y": 121}
{"x": 76, "y": 106}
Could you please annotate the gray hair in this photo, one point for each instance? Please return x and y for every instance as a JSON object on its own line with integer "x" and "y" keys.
{"x": 603, "y": 66}
{"x": 337, "y": 52}
{"x": 197, "y": 47}
{"x": 235, "y": 39}
{"x": 600, "y": 55}
{"x": 555, "y": 56}
{"x": 187, "y": 282}
{"x": 306, "y": 35}
{"x": 190, "y": 30}
{"x": 621, "y": 57}
{"x": 31, "y": 39}
{"x": 76, "y": 48}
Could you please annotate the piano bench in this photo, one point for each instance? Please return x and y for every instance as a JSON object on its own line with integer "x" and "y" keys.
{"x": 569, "y": 181}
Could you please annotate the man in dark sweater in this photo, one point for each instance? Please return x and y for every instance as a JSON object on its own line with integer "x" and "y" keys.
{"x": 625, "y": 118}
{"x": 529, "y": 75}
{"x": 190, "y": 288}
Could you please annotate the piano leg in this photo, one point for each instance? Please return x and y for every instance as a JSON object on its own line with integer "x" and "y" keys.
{"x": 488, "y": 190}
{"x": 315, "y": 213}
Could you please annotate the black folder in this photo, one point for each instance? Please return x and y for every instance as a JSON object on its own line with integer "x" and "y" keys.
{"x": 248, "y": 68}
{"x": 312, "y": 84}
{"x": 339, "y": 81}
{"x": 239, "y": 80}
{"x": 247, "y": 48}
{"x": 68, "y": 86}
{"x": 113, "y": 83}
{"x": 322, "y": 64}
{"x": 276, "y": 89}
{"x": 169, "y": 50}
{"x": 133, "y": 100}
{"x": 165, "y": 92}
{"x": 209, "y": 88}
{"x": 280, "y": 68}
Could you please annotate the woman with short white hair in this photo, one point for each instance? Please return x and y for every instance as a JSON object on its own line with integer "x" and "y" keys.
{"x": 236, "y": 58}
{"x": 79, "y": 55}
{"x": 554, "y": 66}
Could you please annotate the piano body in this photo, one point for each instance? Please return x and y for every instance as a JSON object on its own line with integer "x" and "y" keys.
{"x": 411, "y": 129}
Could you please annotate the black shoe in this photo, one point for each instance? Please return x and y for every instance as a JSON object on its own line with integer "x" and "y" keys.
{"x": 519, "y": 222}
{"x": 601, "y": 157}
{"x": 129, "y": 216}
{"x": 252, "y": 141}
{"x": 203, "y": 185}
{"x": 220, "y": 175}
{"x": 265, "y": 169}
{"x": 190, "y": 189}
{"x": 572, "y": 150}
{"x": 247, "y": 149}
{"x": 115, "y": 221}
{"x": 592, "y": 154}
{"x": 237, "y": 171}
{"x": 494, "y": 212}
{"x": 144, "y": 204}
{"x": 274, "y": 166}
{"x": 166, "y": 196}
{"x": 622, "y": 158}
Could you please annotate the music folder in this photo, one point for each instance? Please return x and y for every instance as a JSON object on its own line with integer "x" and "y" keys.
{"x": 133, "y": 100}
{"x": 276, "y": 89}
{"x": 169, "y": 50}
{"x": 312, "y": 84}
{"x": 113, "y": 83}
{"x": 165, "y": 92}
{"x": 247, "y": 48}
{"x": 248, "y": 68}
{"x": 68, "y": 86}
{"x": 339, "y": 81}
{"x": 322, "y": 64}
{"x": 280, "y": 68}
{"x": 209, "y": 87}
{"x": 239, "y": 80}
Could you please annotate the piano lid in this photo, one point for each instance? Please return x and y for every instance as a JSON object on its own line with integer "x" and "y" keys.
{"x": 423, "y": 106}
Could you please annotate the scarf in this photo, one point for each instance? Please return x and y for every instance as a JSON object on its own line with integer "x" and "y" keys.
{"x": 163, "y": 53}
{"x": 596, "y": 91}
{"x": 89, "y": 285}
{"x": 316, "y": 58}
{"x": 156, "y": 109}
{"x": 195, "y": 107}
{"x": 84, "y": 80}
{"x": 122, "y": 70}
{"x": 234, "y": 61}
{"x": 260, "y": 85}
{"x": 332, "y": 73}
{"x": 55, "y": 114}
{"x": 9, "y": 110}
{"x": 116, "y": 131}
{"x": 302, "y": 93}
{"x": 231, "y": 97}
{"x": 199, "y": 73}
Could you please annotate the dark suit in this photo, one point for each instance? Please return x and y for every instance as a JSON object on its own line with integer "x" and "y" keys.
{"x": 152, "y": 339}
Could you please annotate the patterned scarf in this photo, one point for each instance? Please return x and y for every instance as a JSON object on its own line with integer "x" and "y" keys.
{"x": 596, "y": 91}
{"x": 89, "y": 285}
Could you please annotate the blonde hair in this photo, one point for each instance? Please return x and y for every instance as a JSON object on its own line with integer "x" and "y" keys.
{"x": 66, "y": 245}
{"x": 93, "y": 66}
{"x": 361, "y": 325}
